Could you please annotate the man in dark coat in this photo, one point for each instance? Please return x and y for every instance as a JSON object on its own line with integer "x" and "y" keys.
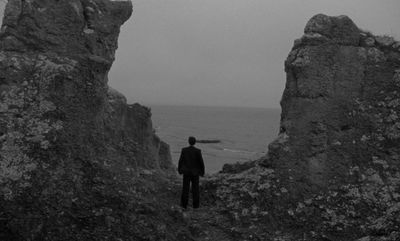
{"x": 191, "y": 165}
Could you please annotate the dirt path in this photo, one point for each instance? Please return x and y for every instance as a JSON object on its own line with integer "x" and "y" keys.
{"x": 203, "y": 226}
{"x": 204, "y": 223}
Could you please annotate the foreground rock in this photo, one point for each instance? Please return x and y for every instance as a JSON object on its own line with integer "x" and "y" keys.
{"x": 71, "y": 148}
{"x": 333, "y": 172}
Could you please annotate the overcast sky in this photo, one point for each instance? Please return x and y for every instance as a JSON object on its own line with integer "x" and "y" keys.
{"x": 224, "y": 52}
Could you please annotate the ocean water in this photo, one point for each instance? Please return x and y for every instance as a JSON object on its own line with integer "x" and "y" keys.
{"x": 244, "y": 132}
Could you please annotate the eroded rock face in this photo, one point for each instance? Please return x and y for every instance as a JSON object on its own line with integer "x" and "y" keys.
{"x": 330, "y": 76}
{"x": 65, "y": 137}
{"x": 75, "y": 27}
{"x": 131, "y": 126}
{"x": 333, "y": 173}
{"x": 339, "y": 30}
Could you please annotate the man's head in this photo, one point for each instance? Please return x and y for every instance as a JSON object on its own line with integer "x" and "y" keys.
{"x": 192, "y": 140}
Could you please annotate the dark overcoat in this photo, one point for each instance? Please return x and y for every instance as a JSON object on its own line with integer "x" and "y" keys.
{"x": 191, "y": 162}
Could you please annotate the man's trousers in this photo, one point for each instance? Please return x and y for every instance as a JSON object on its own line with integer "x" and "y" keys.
{"x": 187, "y": 179}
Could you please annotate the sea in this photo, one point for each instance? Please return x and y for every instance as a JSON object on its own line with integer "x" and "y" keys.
{"x": 244, "y": 133}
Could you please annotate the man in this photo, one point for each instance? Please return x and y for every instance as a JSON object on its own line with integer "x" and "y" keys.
{"x": 191, "y": 165}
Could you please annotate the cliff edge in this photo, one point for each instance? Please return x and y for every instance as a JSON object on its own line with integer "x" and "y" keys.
{"x": 71, "y": 148}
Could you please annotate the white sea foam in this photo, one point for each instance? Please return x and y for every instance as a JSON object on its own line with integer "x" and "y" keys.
{"x": 239, "y": 151}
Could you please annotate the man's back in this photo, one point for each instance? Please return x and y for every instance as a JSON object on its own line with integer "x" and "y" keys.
{"x": 191, "y": 161}
{"x": 191, "y": 165}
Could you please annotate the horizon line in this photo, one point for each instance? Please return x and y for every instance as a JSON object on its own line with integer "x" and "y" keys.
{"x": 194, "y": 105}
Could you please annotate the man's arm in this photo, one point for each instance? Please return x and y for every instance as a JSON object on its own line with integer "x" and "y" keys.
{"x": 201, "y": 164}
{"x": 180, "y": 163}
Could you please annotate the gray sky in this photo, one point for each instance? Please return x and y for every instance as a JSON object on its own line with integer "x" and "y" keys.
{"x": 224, "y": 52}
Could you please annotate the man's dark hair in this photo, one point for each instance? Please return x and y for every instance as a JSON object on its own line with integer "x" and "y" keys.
{"x": 192, "y": 140}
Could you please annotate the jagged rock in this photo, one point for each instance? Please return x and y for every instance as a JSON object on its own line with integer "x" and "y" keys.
{"x": 238, "y": 167}
{"x": 311, "y": 39}
{"x": 324, "y": 81}
{"x": 396, "y": 45}
{"x": 385, "y": 41}
{"x": 369, "y": 42}
{"x": 131, "y": 127}
{"x": 333, "y": 173}
{"x": 28, "y": 22}
{"x": 339, "y": 29}
{"x": 70, "y": 146}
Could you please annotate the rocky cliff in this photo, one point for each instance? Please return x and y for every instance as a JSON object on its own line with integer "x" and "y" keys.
{"x": 76, "y": 159}
{"x": 71, "y": 147}
{"x": 339, "y": 107}
{"x": 334, "y": 171}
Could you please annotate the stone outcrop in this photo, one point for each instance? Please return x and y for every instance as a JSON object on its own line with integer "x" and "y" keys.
{"x": 70, "y": 145}
{"x": 131, "y": 125}
{"x": 333, "y": 173}
{"x": 337, "y": 78}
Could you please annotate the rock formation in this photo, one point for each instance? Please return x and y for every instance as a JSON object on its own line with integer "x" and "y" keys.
{"x": 75, "y": 159}
{"x": 70, "y": 145}
{"x": 334, "y": 171}
{"x": 339, "y": 105}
